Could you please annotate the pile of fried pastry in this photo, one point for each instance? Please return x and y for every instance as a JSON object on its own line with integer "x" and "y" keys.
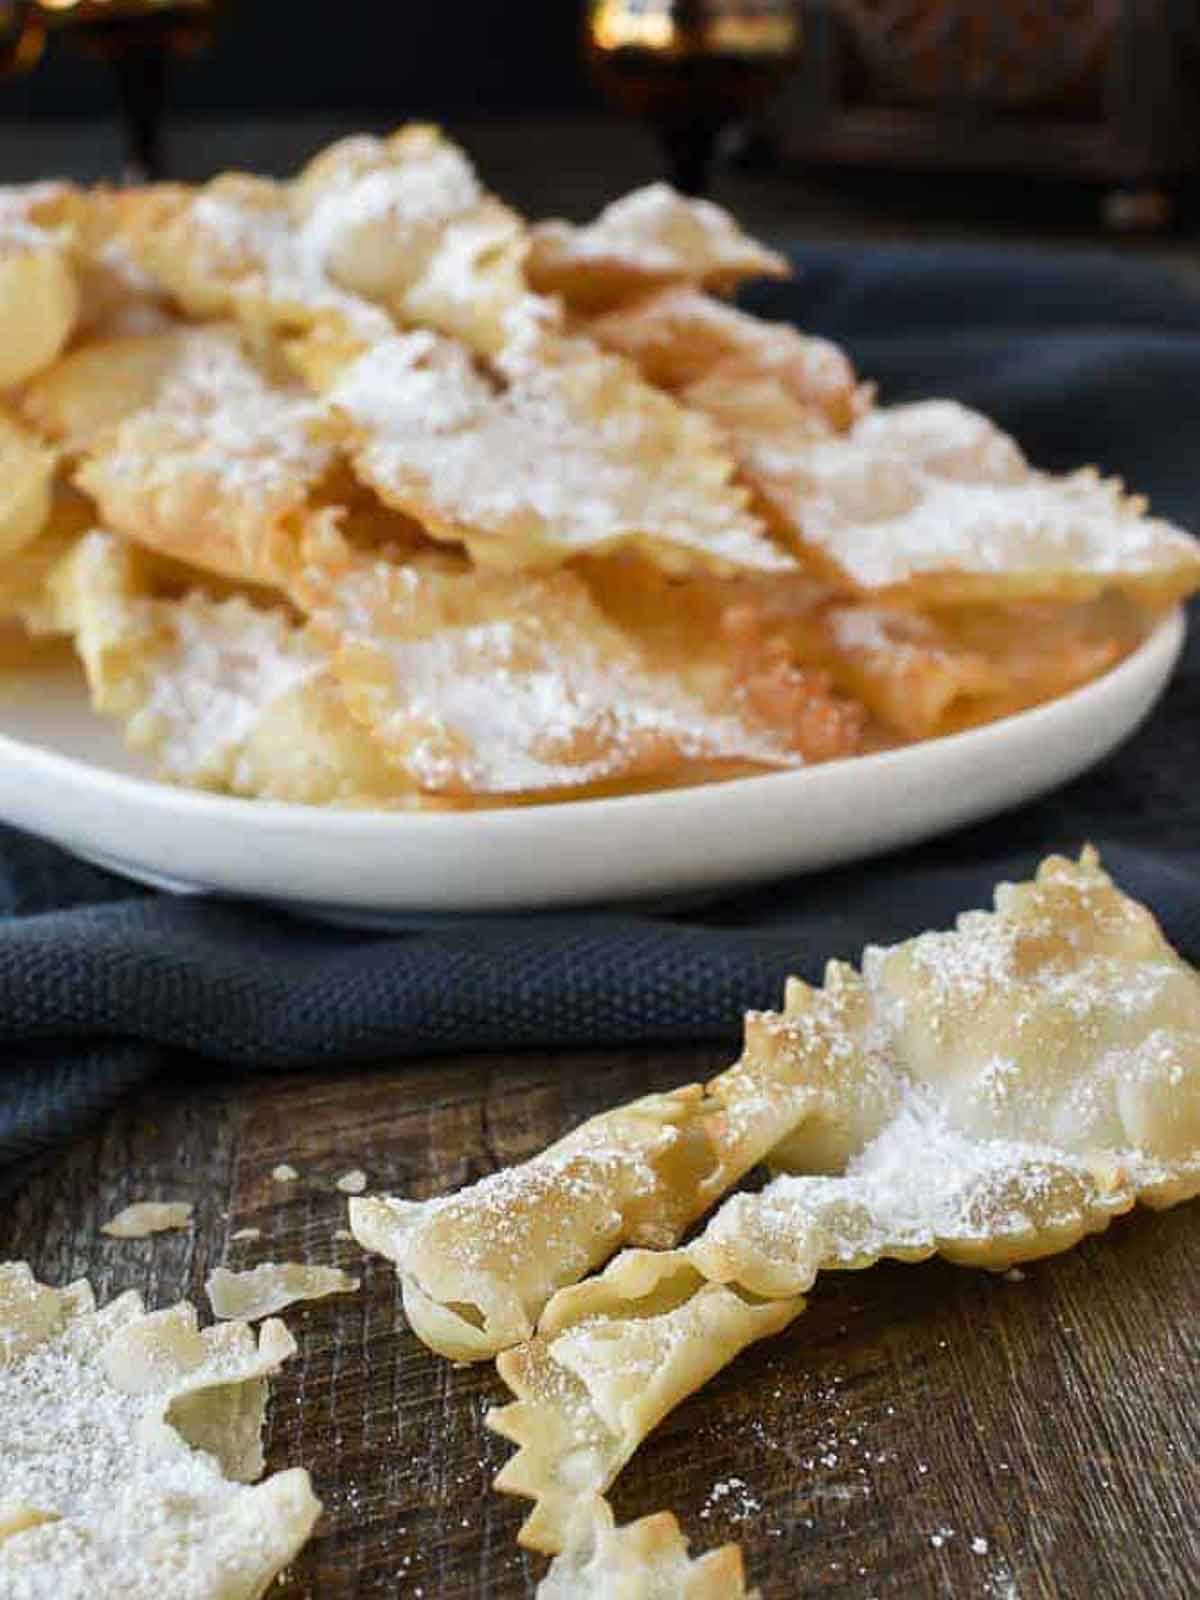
{"x": 357, "y": 489}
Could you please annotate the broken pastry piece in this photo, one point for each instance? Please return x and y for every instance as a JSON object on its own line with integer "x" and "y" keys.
{"x": 480, "y": 684}
{"x": 272, "y": 1286}
{"x": 129, "y": 1449}
{"x": 588, "y": 1397}
{"x": 144, "y": 1217}
{"x": 649, "y": 238}
{"x": 558, "y": 450}
{"x": 644, "y": 1560}
{"x": 219, "y": 461}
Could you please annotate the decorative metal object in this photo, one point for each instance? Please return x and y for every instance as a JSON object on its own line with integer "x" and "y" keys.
{"x": 690, "y": 67}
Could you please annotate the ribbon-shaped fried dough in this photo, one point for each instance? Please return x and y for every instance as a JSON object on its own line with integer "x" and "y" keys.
{"x": 681, "y": 337}
{"x": 129, "y": 1444}
{"x": 482, "y": 683}
{"x": 644, "y": 1560}
{"x": 477, "y": 1267}
{"x": 224, "y": 694}
{"x": 993, "y": 1094}
{"x": 560, "y": 450}
{"x": 372, "y": 232}
{"x": 587, "y": 1397}
{"x": 218, "y": 460}
{"x": 651, "y": 237}
{"x": 932, "y": 503}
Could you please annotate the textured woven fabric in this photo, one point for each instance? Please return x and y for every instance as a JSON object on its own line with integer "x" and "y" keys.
{"x": 1086, "y": 357}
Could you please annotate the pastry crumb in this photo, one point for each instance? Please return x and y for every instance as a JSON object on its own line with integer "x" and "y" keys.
{"x": 145, "y": 1217}
{"x": 270, "y": 1287}
{"x": 352, "y": 1182}
{"x": 285, "y": 1172}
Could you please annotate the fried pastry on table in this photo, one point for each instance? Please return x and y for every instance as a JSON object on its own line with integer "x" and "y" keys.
{"x": 39, "y": 290}
{"x": 478, "y": 1266}
{"x": 484, "y": 684}
{"x": 129, "y": 1448}
{"x": 644, "y": 1560}
{"x": 680, "y": 336}
{"x": 649, "y": 238}
{"x": 371, "y": 230}
{"x": 223, "y": 694}
{"x": 993, "y": 1094}
{"x": 561, "y": 450}
{"x": 587, "y": 1398}
{"x": 220, "y": 465}
{"x": 932, "y": 503}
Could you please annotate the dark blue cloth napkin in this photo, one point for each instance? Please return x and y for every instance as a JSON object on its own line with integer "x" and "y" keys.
{"x": 1085, "y": 357}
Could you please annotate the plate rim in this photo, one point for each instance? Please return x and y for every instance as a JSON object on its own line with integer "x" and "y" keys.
{"x": 1166, "y": 639}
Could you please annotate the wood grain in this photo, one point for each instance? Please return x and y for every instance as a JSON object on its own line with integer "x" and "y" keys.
{"x": 919, "y": 1431}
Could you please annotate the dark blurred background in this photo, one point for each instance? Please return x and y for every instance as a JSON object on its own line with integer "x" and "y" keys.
{"x": 394, "y": 57}
{"x": 1054, "y": 119}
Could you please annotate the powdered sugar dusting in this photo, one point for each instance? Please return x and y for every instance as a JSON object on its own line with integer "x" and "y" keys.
{"x": 575, "y": 454}
{"x": 933, "y": 488}
{"x": 219, "y": 669}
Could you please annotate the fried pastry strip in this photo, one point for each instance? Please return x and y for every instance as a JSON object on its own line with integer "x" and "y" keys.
{"x": 372, "y": 230}
{"x": 680, "y": 337}
{"x": 516, "y": 685}
{"x": 588, "y": 1397}
{"x": 129, "y": 1444}
{"x": 561, "y": 450}
{"x": 224, "y": 694}
{"x": 217, "y": 460}
{"x": 644, "y": 1560}
{"x": 993, "y": 1093}
{"x": 932, "y": 504}
{"x": 649, "y": 238}
{"x": 478, "y": 1266}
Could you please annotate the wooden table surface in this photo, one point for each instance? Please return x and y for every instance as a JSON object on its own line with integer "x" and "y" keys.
{"x": 919, "y": 1430}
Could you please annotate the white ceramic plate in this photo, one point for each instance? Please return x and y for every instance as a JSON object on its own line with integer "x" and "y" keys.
{"x": 64, "y": 774}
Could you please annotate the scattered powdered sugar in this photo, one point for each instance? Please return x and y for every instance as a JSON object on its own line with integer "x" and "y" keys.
{"x": 220, "y": 667}
{"x": 110, "y": 1499}
{"x": 144, "y": 1217}
{"x": 255, "y": 435}
{"x": 732, "y": 1499}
